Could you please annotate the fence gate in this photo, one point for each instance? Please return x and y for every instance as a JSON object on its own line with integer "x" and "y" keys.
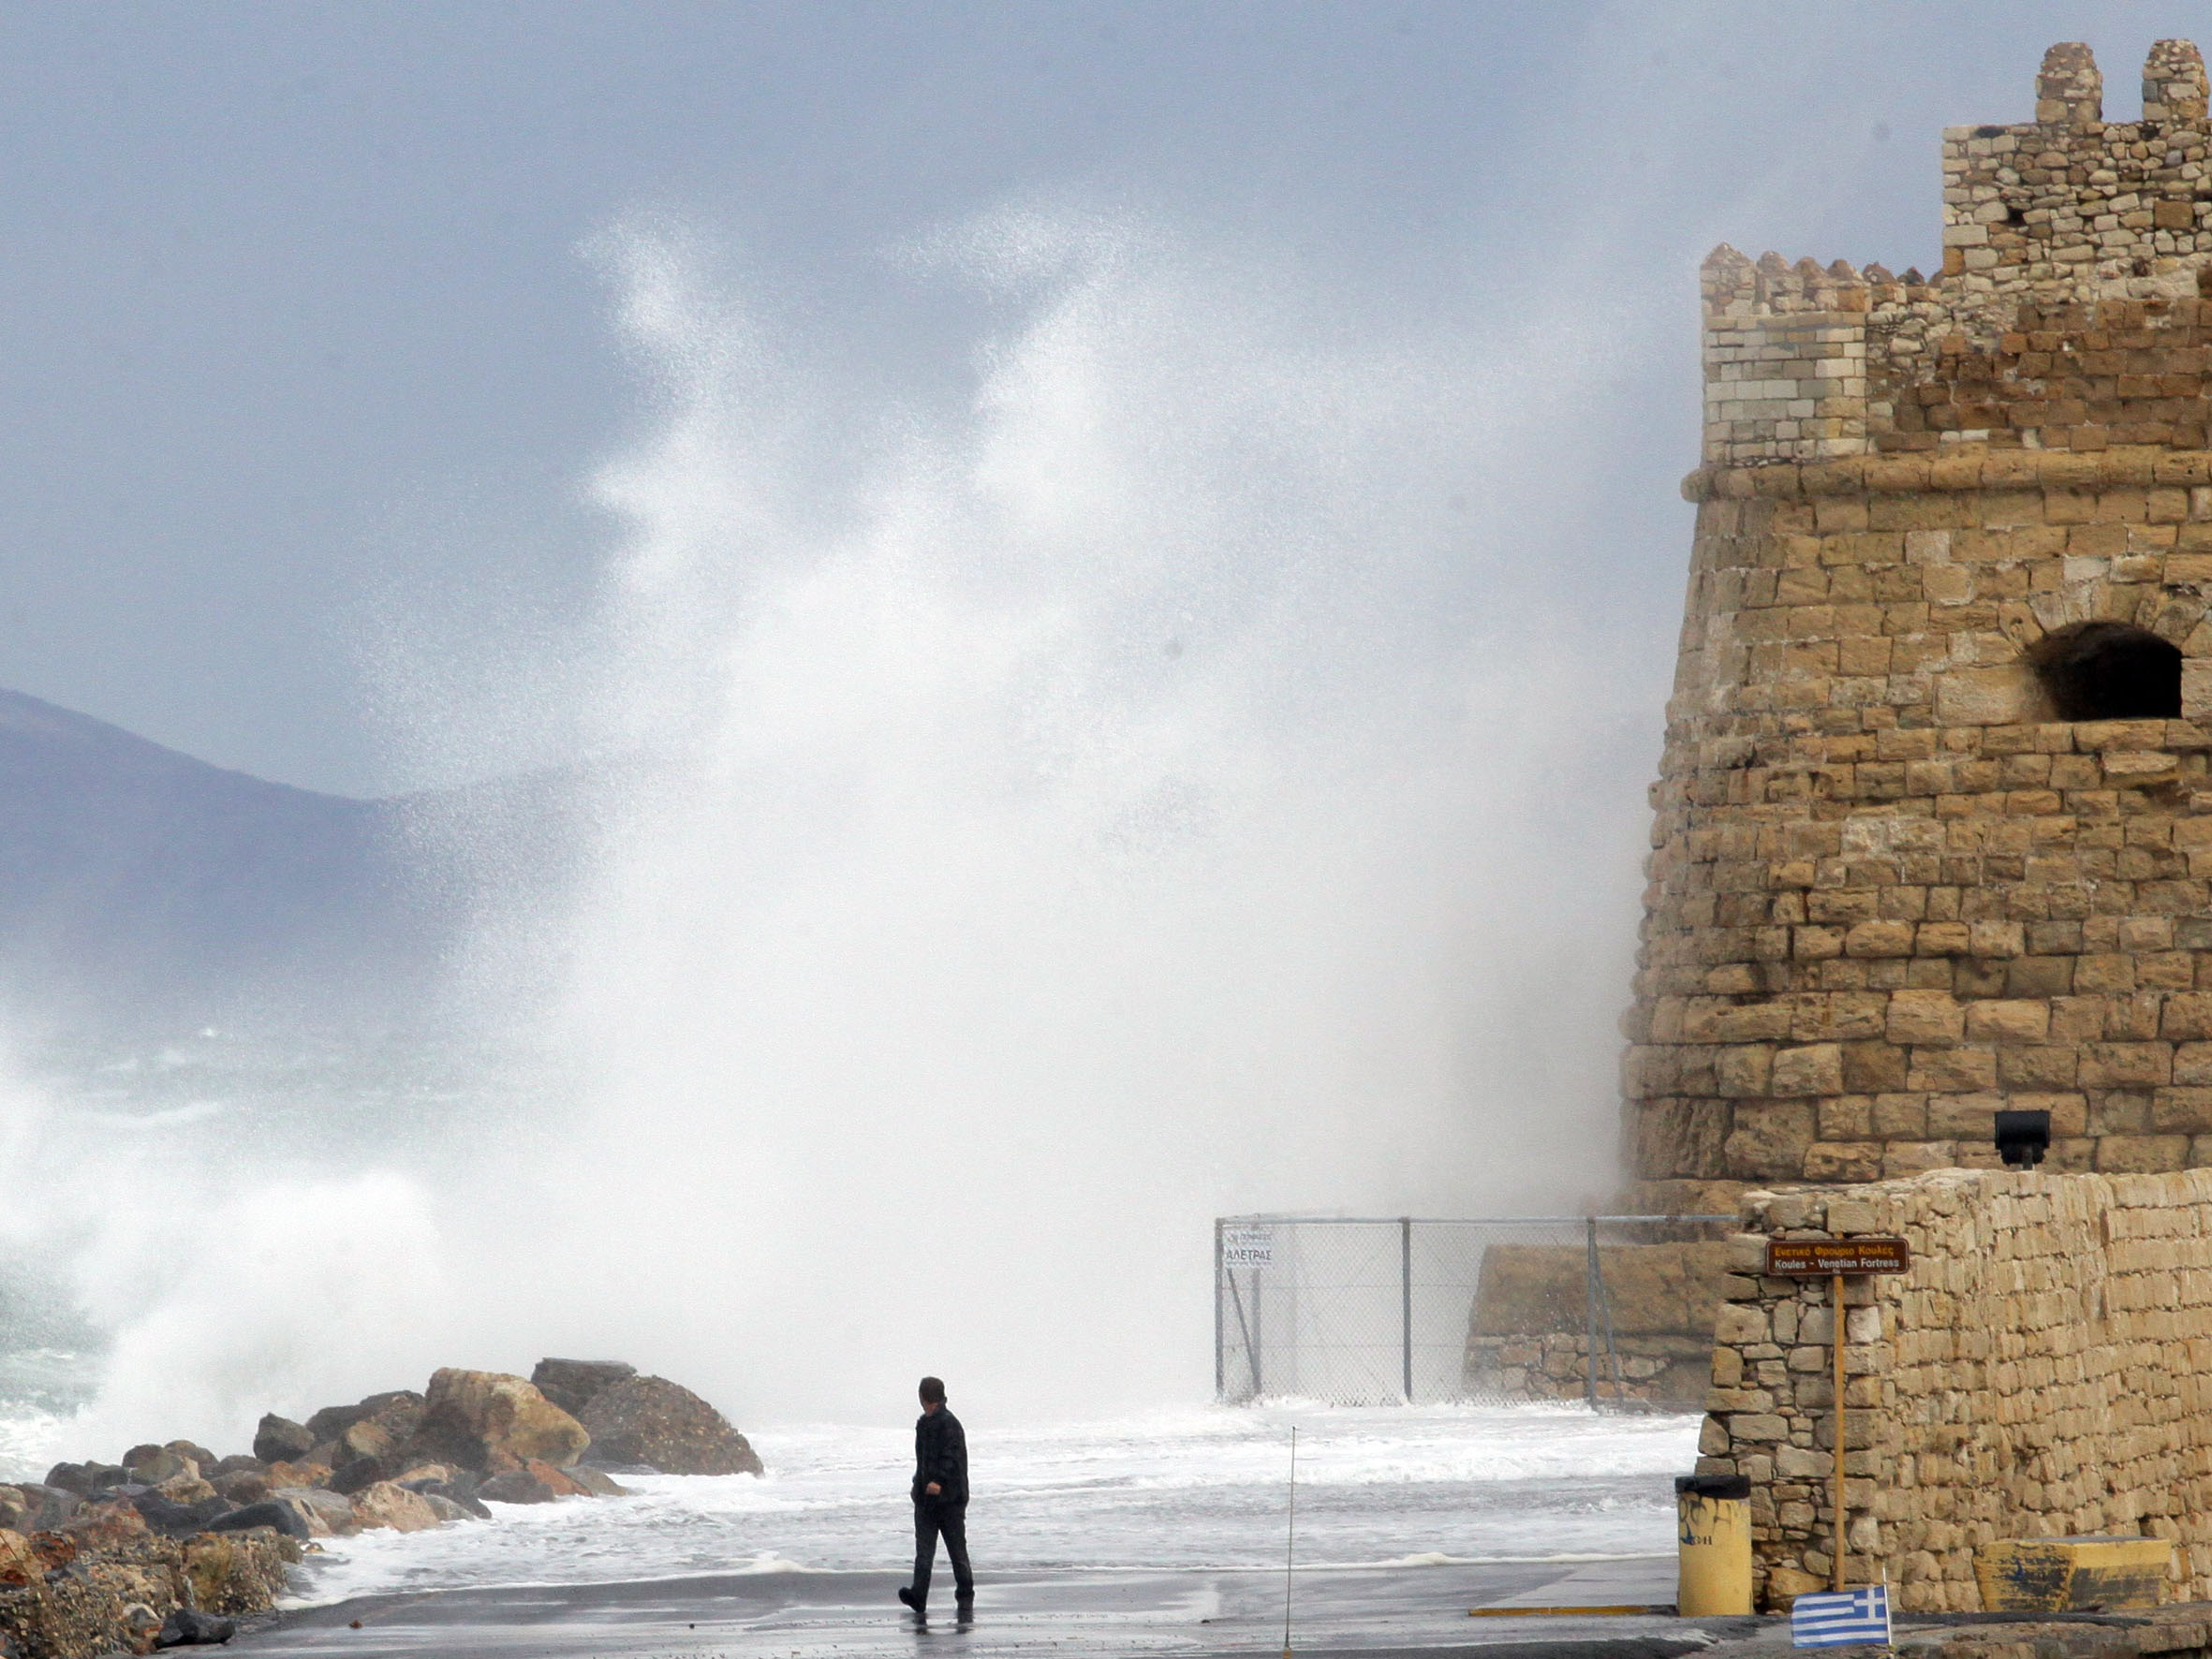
{"x": 1613, "y": 1309}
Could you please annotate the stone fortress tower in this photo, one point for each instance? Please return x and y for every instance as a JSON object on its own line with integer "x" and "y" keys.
{"x": 1934, "y": 823}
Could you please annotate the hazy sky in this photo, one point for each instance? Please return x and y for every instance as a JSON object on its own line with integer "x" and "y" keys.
{"x": 306, "y": 365}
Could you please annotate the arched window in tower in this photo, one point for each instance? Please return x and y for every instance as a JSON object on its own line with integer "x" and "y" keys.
{"x": 2108, "y": 670}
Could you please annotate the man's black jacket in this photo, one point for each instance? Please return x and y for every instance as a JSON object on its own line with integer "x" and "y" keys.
{"x": 941, "y": 1454}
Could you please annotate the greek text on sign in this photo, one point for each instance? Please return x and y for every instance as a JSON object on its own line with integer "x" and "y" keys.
{"x": 1247, "y": 1247}
{"x": 1836, "y": 1255}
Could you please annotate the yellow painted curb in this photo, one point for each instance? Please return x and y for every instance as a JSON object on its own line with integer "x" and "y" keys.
{"x": 2071, "y": 1575}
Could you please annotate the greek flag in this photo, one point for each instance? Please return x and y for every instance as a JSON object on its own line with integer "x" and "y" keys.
{"x": 1846, "y": 1618}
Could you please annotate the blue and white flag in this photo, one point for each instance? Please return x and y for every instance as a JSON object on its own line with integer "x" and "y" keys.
{"x": 1841, "y": 1619}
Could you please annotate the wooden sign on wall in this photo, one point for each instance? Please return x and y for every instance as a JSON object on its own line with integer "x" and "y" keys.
{"x": 1824, "y": 1257}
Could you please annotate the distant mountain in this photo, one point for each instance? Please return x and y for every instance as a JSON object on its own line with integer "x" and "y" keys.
{"x": 140, "y": 887}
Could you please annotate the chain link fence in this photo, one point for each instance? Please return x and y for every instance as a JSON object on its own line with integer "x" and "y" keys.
{"x": 1613, "y": 1309}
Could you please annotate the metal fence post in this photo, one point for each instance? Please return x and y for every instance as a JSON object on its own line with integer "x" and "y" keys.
{"x": 1406, "y": 1299}
{"x": 1590, "y": 1320}
{"x": 1220, "y": 1377}
{"x": 1620, "y": 1393}
{"x": 1258, "y": 1387}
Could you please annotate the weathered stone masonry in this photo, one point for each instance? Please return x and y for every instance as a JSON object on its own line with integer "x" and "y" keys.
{"x": 2045, "y": 1369}
{"x": 1890, "y": 893}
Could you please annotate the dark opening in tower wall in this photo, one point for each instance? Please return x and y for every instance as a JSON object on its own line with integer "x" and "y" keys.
{"x": 2108, "y": 670}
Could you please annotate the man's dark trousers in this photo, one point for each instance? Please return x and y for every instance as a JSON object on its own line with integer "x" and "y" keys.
{"x": 934, "y": 1518}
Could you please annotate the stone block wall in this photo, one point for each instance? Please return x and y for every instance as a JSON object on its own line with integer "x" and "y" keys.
{"x": 2045, "y": 1369}
{"x": 1529, "y": 1330}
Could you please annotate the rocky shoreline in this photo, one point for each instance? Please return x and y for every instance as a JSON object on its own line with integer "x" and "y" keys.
{"x": 168, "y": 1546}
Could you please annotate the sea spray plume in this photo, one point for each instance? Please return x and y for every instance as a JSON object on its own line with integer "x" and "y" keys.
{"x": 286, "y": 1290}
{"x": 1147, "y": 795}
{"x": 199, "y": 1281}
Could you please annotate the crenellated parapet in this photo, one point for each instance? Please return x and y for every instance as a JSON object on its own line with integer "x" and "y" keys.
{"x": 2066, "y": 313}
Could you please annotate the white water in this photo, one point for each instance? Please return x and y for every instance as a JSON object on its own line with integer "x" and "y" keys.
{"x": 1180, "y": 783}
{"x": 1192, "y": 777}
{"x": 1197, "y": 1487}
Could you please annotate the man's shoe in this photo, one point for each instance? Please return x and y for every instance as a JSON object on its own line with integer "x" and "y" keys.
{"x": 907, "y": 1595}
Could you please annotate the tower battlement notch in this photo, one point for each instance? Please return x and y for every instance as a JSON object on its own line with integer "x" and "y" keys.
{"x": 2055, "y": 231}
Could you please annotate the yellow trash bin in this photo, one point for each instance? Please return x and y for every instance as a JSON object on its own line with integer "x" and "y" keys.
{"x": 1714, "y": 1530}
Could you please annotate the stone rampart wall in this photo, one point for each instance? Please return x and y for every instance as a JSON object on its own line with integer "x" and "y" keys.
{"x": 1528, "y": 1330}
{"x": 2045, "y": 1369}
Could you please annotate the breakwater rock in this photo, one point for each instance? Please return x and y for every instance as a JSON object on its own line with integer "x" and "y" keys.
{"x": 168, "y": 1546}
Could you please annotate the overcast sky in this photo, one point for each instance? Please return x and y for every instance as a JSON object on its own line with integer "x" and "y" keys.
{"x": 306, "y": 368}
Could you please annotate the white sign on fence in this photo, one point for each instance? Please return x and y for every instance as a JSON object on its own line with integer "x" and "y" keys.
{"x": 1247, "y": 1247}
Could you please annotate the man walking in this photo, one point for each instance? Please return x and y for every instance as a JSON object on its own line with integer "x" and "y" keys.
{"x": 940, "y": 1500}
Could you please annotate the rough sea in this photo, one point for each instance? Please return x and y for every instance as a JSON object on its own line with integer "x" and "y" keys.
{"x": 1196, "y": 1486}
{"x": 1187, "y": 1485}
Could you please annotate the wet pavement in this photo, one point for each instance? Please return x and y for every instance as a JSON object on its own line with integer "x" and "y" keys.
{"x": 1370, "y": 1611}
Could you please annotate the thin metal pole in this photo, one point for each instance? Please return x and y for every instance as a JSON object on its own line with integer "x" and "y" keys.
{"x": 1835, "y": 1341}
{"x": 1257, "y": 1336}
{"x": 1406, "y": 1299}
{"x": 1236, "y": 1306}
{"x": 1590, "y": 1319}
{"x": 1289, "y": 1541}
{"x": 1620, "y": 1391}
{"x": 1220, "y": 1375}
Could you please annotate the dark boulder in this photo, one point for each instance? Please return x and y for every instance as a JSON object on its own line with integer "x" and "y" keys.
{"x": 238, "y": 1463}
{"x": 445, "y": 1510}
{"x": 361, "y": 1475}
{"x": 86, "y": 1478}
{"x": 179, "y": 1521}
{"x": 50, "y": 1505}
{"x": 279, "y": 1440}
{"x": 154, "y": 1465}
{"x": 664, "y": 1426}
{"x": 395, "y": 1407}
{"x": 460, "y": 1496}
{"x": 517, "y": 1486}
{"x": 573, "y": 1384}
{"x": 242, "y": 1486}
{"x": 199, "y": 1455}
{"x": 333, "y": 1420}
{"x": 396, "y": 1411}
{"x": 487, "y": 1421}
{"x": 67, "y": 1477}
{"x": 272, "y": 1513}
{"x": 368, "y": 1438}
{"x": 186, "y": 1627}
